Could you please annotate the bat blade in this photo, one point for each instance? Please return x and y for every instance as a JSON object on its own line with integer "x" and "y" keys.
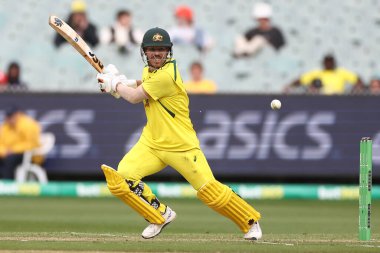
{"x": 76, "y": 41}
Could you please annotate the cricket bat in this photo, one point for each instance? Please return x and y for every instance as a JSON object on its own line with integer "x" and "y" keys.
{"x": 78, "y": 43}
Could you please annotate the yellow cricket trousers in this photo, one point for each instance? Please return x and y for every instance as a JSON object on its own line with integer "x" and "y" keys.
{"x": 142, "y": 161}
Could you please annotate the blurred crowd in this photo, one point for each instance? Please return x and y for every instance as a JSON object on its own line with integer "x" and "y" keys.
{"x": 330, "y": 79}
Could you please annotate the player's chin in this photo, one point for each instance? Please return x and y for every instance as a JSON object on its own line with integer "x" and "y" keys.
{"x": 157, "y": 64}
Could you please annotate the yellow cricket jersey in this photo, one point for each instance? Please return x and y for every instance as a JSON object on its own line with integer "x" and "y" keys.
{"x": 201, "y": 87}
{"x": 333, "y": 81}
{"x": 23, "y": 137}
{"x": 168, "y": 125}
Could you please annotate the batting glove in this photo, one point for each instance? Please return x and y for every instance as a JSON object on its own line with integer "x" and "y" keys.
{"x": 110, "y": 68}
{"x": 108, "y": 82}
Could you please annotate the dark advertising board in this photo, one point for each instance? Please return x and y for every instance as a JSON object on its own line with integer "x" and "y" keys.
{"x": 311, "y": 136}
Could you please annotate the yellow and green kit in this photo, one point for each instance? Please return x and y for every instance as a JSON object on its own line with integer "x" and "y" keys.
{"x": 169, "y": 139}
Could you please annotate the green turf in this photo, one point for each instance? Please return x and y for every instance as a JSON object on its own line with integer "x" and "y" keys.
{"x": 69, "y": 224}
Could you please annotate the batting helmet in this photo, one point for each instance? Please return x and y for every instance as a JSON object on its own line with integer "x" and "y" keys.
{"x": 156, "y": 37}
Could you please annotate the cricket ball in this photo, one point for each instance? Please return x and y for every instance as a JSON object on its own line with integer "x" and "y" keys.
{"x": 275, "y": 104}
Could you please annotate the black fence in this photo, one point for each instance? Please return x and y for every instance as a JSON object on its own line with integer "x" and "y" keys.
{"x": 311, "y": 138}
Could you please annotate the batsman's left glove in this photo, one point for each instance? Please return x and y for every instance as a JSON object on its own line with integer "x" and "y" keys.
{"x": 110, "y": 68}
{"x": 107, "y": 82}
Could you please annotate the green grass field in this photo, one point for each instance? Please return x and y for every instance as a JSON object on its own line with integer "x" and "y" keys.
{"x": 106, "y": 225}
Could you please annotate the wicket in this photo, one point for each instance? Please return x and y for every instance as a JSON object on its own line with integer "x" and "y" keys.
{"x": 365, "y": 189}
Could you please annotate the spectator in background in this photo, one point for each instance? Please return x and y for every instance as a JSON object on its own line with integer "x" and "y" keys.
{"x": 122, "y": 33}
{"x": 261, "y": 36}
{"x": 332, "y": 80}
{"x": 79, "y": 22}
{"x": 14, "y": 77}
{"x": 11, "y": 81}
{"x": 18, "y": 134}
{"x": 374, "y": 87}
{"x": 197, "y": 84}
{"x": 186, "y": 33}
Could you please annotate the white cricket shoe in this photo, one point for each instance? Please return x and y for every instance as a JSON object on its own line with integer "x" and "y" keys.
{"x": 254, "y": 232}
{"x": 154, "y": 229}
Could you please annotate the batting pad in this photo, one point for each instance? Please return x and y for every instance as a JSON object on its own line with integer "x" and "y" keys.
{"x": 226, "y": 202}
{"x": 119, "y": 187}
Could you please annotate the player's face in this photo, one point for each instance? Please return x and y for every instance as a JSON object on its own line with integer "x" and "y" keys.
{"x": 156, "y": 56}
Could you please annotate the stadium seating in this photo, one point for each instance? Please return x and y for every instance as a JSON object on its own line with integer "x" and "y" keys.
{"x": 312, "y": 28}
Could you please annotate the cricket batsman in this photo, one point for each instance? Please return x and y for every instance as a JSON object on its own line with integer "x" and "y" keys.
{"x": 168, "y": 138}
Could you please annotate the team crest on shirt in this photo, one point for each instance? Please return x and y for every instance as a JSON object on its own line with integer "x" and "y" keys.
{"x": 158, "y": 37}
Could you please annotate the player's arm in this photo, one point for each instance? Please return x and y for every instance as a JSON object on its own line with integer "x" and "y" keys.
{"x": 133, "y": 90}
{"x": 111, "y": 81}
{"x": 130, "y": 90}
{"x": 132, "y": 95}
